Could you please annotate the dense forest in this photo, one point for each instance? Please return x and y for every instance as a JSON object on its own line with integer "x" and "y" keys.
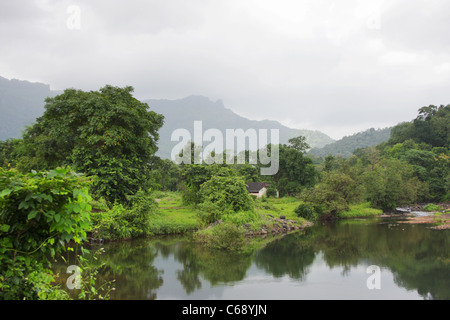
{"x": 347, "y": 145}
{"x": 88, "y": 165}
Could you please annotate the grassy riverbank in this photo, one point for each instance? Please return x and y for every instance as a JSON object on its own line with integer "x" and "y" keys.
{"x": 172, "y": 216}
{"x": 361, "y": 210}
{"x": 169, "y": 215}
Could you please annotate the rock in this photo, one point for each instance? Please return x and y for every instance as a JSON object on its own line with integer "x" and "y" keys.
{"x": 282, "y": 217}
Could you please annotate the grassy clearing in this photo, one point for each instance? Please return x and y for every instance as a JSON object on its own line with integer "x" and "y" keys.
{"x": 172, "y": 216}
{"x": 362, "y": 210}
{"x": 278, "y": 207}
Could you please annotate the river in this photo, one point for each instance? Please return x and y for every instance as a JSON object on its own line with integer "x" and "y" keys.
{"x": 349, "y": 259}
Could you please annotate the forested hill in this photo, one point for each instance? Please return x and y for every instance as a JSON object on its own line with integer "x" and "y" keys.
{"x": 347, "y": 145}
{"x": 21, "y": 102}
{"x": 182, "y": 113}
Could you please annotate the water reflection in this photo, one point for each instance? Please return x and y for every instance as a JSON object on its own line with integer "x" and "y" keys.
{"x": 414, "y": 259}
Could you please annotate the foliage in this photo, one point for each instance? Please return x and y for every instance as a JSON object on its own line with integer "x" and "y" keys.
{"x": 306, "y": 211}
{"x": 391, "y": 183}
{"x": 166, "y": 174}
{"x": 346, "y": 146}
{"x": 193, "y": 176}
{"x": 296, "y": 172}
{"x": 242, "y": 217}
{"x": 40, "y": 213}
{"x": 272, "y": 192}
{"x": 223, "y": 236}
{"x": 106, "y": 134}
{"x": 299, "y": 144}
{"x": 125, "y": 221}
{"x": 432, "y": 207}
{"x": 362, "y": 210}
{"x": 223, "y": 193}
{"x": 333, "y": 194}
{"x": 89, "y": 271}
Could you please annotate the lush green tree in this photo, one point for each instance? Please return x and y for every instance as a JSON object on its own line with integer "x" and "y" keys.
{"x": 332, "y": 194}
{"x": 299, "y": 144}
{"x": 249, "y": 172}
{"x": 10, "y": 152}
{"x": 295, "y": 172}
{"x": 193, "y": 176}
{"x": 167, "y": 174}
{"x": 107, "y": 134}
{"x": 431, "y": 126}
{"x": 391, "y": 183}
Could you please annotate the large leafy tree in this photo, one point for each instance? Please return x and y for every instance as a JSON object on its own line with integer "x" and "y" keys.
{"x": 296, "y": 171}
{"x": 107, "y": 134}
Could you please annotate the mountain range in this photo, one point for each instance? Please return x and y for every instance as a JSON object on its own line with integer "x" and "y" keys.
{"x": 182, "y": 113}
{"x": 21, "y": 102}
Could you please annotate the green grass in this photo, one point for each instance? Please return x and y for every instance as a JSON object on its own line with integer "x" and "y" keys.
{"x": 172, "y": 216}
{"x": 280, "y": 206}
{"x": 361, "y": 210}
{"x": 432, "y": 207}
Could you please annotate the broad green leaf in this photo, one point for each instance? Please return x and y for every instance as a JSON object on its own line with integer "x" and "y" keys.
{"x": 32, "y": 214}
{"x": 5, "y": 192}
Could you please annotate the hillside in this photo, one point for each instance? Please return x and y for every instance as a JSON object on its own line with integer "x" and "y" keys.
{"x": 347, "y": 145}
{"x": 182, "y": 113}
{"x": 21, "y": 102}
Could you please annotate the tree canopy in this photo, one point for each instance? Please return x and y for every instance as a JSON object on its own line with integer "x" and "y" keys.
{"x": 106, "y": 134}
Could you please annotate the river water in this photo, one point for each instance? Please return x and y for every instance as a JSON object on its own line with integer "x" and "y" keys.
{"x": 350, "y": 259}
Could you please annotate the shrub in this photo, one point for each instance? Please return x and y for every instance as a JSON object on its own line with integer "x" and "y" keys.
{"x": 125, "y": 221}
{"x": 221, "y": 195}
{"x": 40, "y": 213}
{"x": 223, "y": 236}
{"x": 272, "y": 192}
{"x": 432, "y": 207}
{"x": 306, "y": 211}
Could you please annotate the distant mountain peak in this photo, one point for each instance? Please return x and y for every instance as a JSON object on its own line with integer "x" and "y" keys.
{"x": 181, "y": 114}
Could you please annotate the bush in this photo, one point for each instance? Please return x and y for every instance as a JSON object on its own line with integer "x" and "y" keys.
{"x": 125, "y": 221}
{"x": 40, "y": 213}
{"x": 223, "y": 236}
{"x": 432, "y": 207}
{"x": 272, "y": 192}
{"x": 306, "y": 211}
{"x": 222, "y": 195}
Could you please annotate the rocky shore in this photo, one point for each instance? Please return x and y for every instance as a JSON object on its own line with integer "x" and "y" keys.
{"x": 445, "y": 206}
{"x": 416, "y": 214}
{"x": 276, "y": 226}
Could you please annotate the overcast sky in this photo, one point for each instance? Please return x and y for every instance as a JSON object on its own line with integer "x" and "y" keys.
{"x": 336, "y": 66}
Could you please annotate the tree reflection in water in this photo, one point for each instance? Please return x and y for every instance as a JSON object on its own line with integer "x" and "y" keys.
{"x": 418, "y": 258}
